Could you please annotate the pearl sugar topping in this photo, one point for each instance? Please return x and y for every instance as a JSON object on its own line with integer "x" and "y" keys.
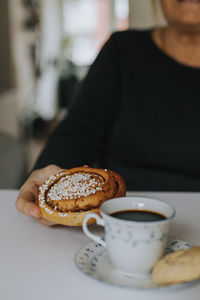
{"x": 75, "y": 186}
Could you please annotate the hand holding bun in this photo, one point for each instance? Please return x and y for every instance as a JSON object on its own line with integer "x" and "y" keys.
{"x": 68, "y": 196}
{"x": 28, "y": 193}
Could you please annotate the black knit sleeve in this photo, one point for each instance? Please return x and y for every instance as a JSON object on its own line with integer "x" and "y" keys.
{"x": 81, "y": 138}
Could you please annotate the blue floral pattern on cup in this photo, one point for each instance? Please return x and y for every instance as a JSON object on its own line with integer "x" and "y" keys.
{"x": 128, "y": 234}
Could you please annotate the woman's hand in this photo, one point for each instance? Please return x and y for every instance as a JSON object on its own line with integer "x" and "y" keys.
{"x": 26, "y": 201}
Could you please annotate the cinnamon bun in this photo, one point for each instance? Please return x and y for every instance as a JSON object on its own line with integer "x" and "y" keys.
{"x": 65, "y": 198}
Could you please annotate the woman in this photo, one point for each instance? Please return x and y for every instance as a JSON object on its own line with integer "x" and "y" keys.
{"x": 137, "y": 111}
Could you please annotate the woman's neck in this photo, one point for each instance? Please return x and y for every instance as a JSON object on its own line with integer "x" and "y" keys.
{"x": 183, "y": 46}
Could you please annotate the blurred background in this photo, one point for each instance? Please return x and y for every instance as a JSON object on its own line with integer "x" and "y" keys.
{"x": 46, "y": 48}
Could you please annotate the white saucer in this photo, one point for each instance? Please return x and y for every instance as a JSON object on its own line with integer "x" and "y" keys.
{"x": 94, "y": 262}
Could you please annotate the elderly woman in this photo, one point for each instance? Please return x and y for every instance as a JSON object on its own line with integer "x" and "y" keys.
{"x": 137, "y": 111}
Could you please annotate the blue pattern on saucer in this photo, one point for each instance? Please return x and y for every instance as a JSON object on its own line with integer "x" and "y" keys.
{"x": 93, "y": 261}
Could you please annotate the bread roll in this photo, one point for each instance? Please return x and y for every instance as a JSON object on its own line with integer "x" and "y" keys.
{"x": 66, "y": 198}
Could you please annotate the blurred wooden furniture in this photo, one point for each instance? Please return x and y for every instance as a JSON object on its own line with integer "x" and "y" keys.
{"x": 13, "y": 164}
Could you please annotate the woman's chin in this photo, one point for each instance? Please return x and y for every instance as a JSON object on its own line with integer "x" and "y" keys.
{"x": 190, "y": 26}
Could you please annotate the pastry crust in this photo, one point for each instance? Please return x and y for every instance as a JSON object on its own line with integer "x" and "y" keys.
{"x": 120, "y": 184}
{"x": 68, "y": 196}
{"x": 177, "y": 267}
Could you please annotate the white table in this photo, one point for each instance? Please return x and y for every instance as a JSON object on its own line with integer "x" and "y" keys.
{"x": 37, "y": 262}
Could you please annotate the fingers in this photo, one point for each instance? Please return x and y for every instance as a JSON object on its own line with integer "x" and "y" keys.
{"x": 39, "y": 176}
{"x": 26, "y": 204}
{"x": 45, "y": 222}
{"x": 26, "y": 200}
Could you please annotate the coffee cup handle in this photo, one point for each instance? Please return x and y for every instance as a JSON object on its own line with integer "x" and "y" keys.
{"x": 100, "y": 222}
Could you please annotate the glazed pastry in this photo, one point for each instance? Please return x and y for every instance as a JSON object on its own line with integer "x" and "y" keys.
{"x": 177, "y": 267}
{"x": 68, "y": 196}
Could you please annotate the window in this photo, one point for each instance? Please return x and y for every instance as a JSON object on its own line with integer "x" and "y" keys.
{"x": 88, "y": 23}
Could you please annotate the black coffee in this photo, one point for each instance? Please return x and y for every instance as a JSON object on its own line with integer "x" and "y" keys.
{"x": 138, "y": 215}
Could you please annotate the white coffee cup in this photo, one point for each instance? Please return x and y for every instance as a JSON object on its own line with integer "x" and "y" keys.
{"x": 133, "y": 246}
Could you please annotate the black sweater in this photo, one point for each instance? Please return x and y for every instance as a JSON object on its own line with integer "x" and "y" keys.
{"x": 138, "y": 113}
